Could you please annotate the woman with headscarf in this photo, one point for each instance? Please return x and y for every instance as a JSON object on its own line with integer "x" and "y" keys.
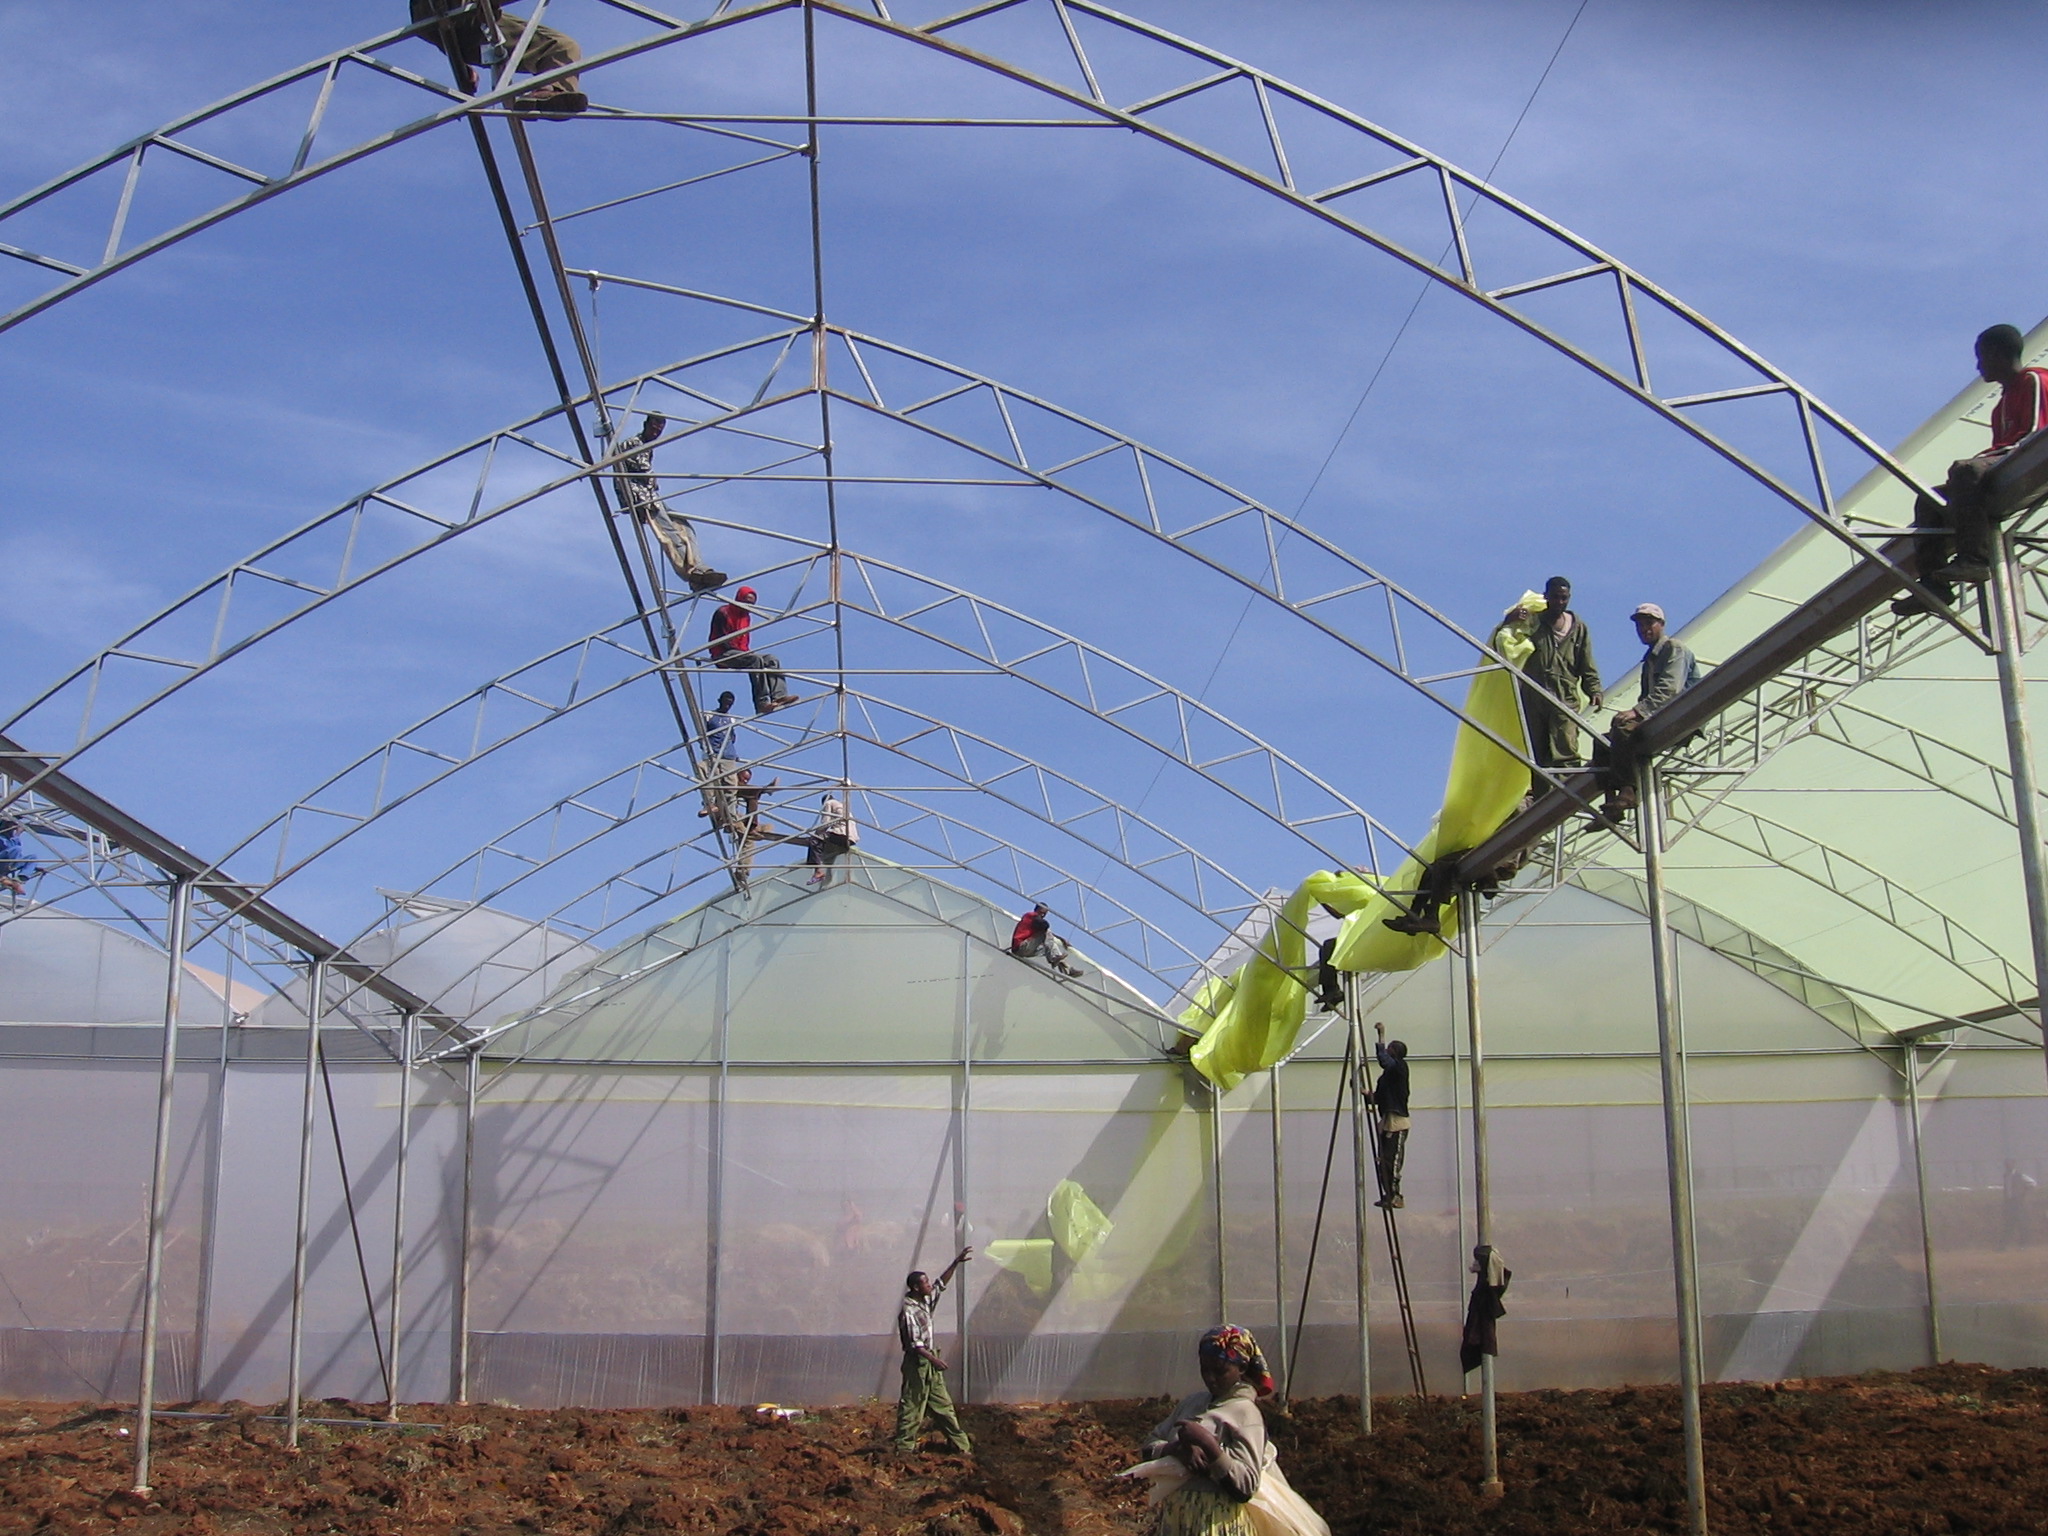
{"x": 1213, "y": 1472}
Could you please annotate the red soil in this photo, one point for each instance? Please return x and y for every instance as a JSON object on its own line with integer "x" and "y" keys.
{"x": 1953, "y": 1449}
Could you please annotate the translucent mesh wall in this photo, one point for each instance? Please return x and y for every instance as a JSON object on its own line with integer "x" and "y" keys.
{"x": 651, "y": 1231}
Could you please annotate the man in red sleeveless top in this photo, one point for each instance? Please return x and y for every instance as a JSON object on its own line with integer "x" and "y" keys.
{"x": 1956, "y": 539}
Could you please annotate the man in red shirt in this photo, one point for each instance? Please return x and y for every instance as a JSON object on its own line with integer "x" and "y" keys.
{"x": 1034, "y": 937}
{"x": 1956, "y": 539}
{"x": 732, "y": 647}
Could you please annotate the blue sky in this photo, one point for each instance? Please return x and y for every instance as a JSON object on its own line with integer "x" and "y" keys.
{"x": 1840, "y": 185}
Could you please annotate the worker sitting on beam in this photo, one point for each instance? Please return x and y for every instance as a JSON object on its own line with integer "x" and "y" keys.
{"x": 1955, "y": 532}
{"x": 1669, "y": 668}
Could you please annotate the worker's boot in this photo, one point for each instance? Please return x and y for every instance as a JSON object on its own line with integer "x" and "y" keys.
{"x": 549, "y": 102}
{"x": 1416, "y": 921}
{"x": 705, "y": 579}
{"x": 1912, "y": 603}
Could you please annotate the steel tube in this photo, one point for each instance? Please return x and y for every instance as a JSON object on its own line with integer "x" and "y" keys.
{"x": 1677, "y": 1140}
{"x": 160, "y": 1175}
{"x": 1279, "y": 1242}
{"x": 405, "y": 1050}
{"x": 472, "y": 1069}
{"x": 316, "y": 999}
{"x": 2019, "y": 746}
{"x": 1216, "y": 1179}
{"x": 1361, "y": 1166}
{"x": 1912, "y": 1054}
{"x": 714, "y": 1258}
{"x": 1482, "y": 1190}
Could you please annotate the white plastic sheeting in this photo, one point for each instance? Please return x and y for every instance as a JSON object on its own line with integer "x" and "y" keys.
{"x": 719, "y": 1191}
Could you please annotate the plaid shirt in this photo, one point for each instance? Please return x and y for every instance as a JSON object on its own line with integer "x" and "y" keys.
{"x": 635, "y": 476}
{"x": 914, "y": 1322}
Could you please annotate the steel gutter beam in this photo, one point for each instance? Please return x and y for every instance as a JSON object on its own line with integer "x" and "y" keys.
{"x": 68, "y": 795}
{"x": 2019, "y": 481}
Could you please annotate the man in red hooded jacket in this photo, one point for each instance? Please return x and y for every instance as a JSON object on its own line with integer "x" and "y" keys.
{"x": 732, "y": 648}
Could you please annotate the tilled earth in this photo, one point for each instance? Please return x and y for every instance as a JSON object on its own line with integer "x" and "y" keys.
{"x": 1955, "y": 1448}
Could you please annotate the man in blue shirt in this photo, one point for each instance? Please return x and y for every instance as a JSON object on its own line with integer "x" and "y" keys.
{"x": 14, "y": 867}
{"x": 721, "y": 761}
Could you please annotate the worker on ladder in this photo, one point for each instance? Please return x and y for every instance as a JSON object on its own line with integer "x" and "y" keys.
{"x": 640, "y": 495}
{"x": 462, "y": 31}
{"x": 1390, "y": 1100}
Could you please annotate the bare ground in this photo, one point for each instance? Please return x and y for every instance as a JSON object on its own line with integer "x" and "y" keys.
{"x": 1951, "y": 1449}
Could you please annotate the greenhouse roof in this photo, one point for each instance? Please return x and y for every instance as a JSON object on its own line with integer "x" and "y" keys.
{"x": 884, "y": 965}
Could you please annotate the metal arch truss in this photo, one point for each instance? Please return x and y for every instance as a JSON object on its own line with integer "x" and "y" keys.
{"x": 77, "y": 867}
{"x": 1203, "y": 519}
{"x": 1494, "y": 250}
{"x": 577, "y": 821}
{"x": 599, "y": 666}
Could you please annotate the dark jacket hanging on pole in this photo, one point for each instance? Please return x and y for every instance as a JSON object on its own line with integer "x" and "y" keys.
{"x": 1485, "y": 1309}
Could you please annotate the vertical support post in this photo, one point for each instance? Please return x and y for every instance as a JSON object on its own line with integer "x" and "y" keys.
{"x": 962, "y": 1227}
{"x": 1912, "y": 1054}
{"x": 405, "y": 1050}
{"x": 1361, "y": 1164}
{"x": 316, "y": 1002}
{"x": 1482, "y": 1190}
{"x": 1216, "y": 1178}
{"x": 1677, "y": 1141}
{"x": 216, "y": 1165}
{"x": 2019, "y": 746}
{"x": 472, "y": 1069}
{"x": 160, "y": 1176}
{"x": 1279, "y": 1241}
{"x": 1463, "y": 1256}
{"x": 715, "y": 1215}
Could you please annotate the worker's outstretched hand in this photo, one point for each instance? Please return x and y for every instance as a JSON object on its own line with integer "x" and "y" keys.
{"x": 964, "y": 1255}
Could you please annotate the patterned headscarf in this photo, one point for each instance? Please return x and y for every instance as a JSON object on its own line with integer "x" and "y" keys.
{"x": 1236, "y": 1346}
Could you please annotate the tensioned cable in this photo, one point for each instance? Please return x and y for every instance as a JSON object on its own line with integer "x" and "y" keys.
{"x": 1372, "y": 382}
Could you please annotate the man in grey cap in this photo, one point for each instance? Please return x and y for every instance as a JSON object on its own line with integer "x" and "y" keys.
{"x": 1669, "y": 668}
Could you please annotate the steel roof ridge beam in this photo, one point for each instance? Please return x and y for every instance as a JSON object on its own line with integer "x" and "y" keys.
{"x": 2018, "y": 482}
{"x": 103, "y": 816}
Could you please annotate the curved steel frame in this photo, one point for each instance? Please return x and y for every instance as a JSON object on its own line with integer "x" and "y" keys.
{"x": 1633, "y": 294}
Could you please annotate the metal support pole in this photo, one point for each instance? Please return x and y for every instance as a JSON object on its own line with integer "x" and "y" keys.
{"x": 1216, "y": 1178}
{"x": 316, "y": 1001}
{"x": 1926, "y": 1226}
{"x": 2019, "y": 746}
{"x": 1279, "y": 1243}
{"x": 1361, "y": 1168}
{"x": 217, "y": 1166}
{"x": 473, "y": 1069}
{"x": 160, "y": 1177}
{"x": 405, "y": 1048}
{"x": 1677, "y": 1141}
{"x": 963, "y": 1229}
{"x": 1482, "y": 1191}
{"x": 714, "y": 1257}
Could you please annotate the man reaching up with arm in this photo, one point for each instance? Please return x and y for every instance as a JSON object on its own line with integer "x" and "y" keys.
{"x": 924, "y": 1371}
